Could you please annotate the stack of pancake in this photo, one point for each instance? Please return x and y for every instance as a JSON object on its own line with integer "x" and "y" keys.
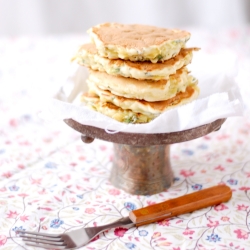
{"x": 136, "y": 72}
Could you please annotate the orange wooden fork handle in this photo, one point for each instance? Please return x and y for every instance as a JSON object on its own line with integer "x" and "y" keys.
{"x": 181, "y": 205}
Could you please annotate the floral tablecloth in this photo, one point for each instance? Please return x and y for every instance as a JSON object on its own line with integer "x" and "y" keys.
{"x": 50, "y": 181}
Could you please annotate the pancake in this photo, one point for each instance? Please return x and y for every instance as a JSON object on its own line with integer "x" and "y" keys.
{"x": 141, "y": 106}
{"x": 133, "y": 110}
{"x": 111, "y": 110}
{"x": 147, "y": 90}
{"x": 88, "y": 56}
{"x": 136, "y": 42}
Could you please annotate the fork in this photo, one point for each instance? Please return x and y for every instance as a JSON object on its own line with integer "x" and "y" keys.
{"x": 170, "y": 208}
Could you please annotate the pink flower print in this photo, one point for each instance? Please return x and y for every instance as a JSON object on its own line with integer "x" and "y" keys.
{"x": 225, "y": 218}
{"x": 242, "y": 208}
{"x": 188, "y": 231}
{"x": 3, "y": 240}
{"x": 44, "y": 228}
{"x": 187, "y": 173}
{"x": 24, "y": 218}
{"x": 36, "y": 181}
{"x": 221, "y": 183}
{"x": 80, "y": 188}
{"x": 213, "y": 223}
{"x": 164, "y": 243}
{"x": 45, "y": 208}
{"x": 25, "y": 143}
{"x": 12, "y": 215}
{"x": 103, "y": 147}
{"x": 206, "y": 137}
{"x": 72, "y": 199}
{"x": 94, "y": 169}
{"x": 96, "y": 238}
{"x": 239, "y": 142}
{"x": 156, "y": 235}
{"x": 219, "y": 168}
{"x": 151, "y": 203}
{"x": 234, "y": 33}
{"x": 47, "y": 140}
{"x": 241, "y": 234}
{"x": 244, "y": 188}
{"x": 178, "y": 221}
{"x": 220, "y": 207}
{"x": 235, "y": 247}
{"x": 21, "y": 166}
{"x": 43, "y": 191}
{"x": 89, "y": 210}
{"x": 23, "y": 195}
{"x": 57, "y": 198}
{"x": 165, "y": 222}
{"x": 221, "y": 137}
{"x": 13, "y": 122}
{"x": 7, "y": 174}
{"x": 82, "y": 158}
{"x": 3, "y": 189}
{"x": 114, "y": 191}
{"x": 65, "y": 177}
{"x": 120, "y": 231}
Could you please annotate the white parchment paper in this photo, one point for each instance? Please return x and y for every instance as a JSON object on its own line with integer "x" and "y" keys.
{"x": 219, "y": 98}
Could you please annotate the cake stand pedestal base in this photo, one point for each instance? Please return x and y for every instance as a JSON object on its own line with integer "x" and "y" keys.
{"x": 141, "y": 163}
{"x": 141, "y": 170}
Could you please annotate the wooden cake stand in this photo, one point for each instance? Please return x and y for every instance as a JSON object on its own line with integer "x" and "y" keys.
{"x": 141, "y": 164}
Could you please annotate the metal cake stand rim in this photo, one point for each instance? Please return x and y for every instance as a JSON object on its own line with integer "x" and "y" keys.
{"x": 143, "y": 139}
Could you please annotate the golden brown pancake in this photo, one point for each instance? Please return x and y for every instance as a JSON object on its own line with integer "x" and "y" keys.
{"x": 111, "y": 110}
{"x": 133, "y": 110}
{"x": 88, "y": 56}
{"x": 147, "y": 90}
{"x": 137, "y": 42}
{"x": 141, "y": 106}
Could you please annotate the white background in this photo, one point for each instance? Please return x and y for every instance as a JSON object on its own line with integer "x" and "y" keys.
{"x": 43, "y": 17}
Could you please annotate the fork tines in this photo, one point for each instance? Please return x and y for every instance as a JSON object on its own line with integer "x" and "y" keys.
{"x": 42, "y": 240}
